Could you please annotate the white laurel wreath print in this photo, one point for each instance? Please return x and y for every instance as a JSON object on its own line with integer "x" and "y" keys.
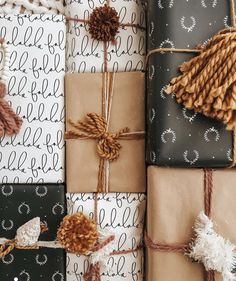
{"x": 41, "y": 191}
{"x": 167, "y": 42}
{"x": 7, "y": 193}
{"x": 152, "y": 115}
{"x": 168, "y": 132}
{"x": 189, "y": 118}
{"x": 213, "y": 4}
{"x": 59, "y": 207}
{"x": 11, "y": 224}
{"x": 151, "y": 72}
{"x": 153, "y": 156}
{"x": 191, "y": 161}
{"x": 23, "y": 272}
{"x": 8, "y": 259}
{"x": 40, "y": 261}
{"x": 151, "y": 28}
{"x": 57, "y": 273}
{"x": 209, "y": 131}
{"x": 160, "y": 5}
{"x": 25, "y": 206}
{"x": 189, "y": 28}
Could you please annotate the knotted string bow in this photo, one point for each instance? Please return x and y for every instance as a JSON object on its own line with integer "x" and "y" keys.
{"x": 96, "y": 127}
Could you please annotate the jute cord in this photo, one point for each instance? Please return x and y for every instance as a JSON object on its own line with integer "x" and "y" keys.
{"x": 185, "y": 248}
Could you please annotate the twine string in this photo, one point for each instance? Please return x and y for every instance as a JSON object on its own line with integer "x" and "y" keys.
{"x": 232, "y": 13}
{"x": 94, "y": 270}
{"x": 185, "y": 248}
{"x": 8, "y": 245}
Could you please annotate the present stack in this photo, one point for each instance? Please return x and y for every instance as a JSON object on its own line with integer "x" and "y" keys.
{"x": 105, "y": 124}
{"x": 190, "y": 124}
{"x": 73, "y": 147}
{"x": 32, "y": 148}
{"x": 72, "y": 140}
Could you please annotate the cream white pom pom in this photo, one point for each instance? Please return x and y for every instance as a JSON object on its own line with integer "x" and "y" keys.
{"x": 213, "y": 250}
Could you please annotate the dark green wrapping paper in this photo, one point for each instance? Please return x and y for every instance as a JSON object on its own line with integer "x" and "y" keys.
{"x": 176, "y": 136}
{"x": 18, "y": 205}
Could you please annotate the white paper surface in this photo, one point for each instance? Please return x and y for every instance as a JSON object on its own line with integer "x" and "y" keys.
{"x": 85, "y": 54}
{"x": 121, "y": 214}
{"x": 36, "y": 91}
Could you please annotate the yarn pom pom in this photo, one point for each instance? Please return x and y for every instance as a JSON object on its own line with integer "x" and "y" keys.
{"x": 213, "y": 250}
{"x": 104, "y": 23}
{"x": 78, "y": 234}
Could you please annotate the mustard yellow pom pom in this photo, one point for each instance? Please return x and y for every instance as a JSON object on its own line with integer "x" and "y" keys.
{"x": 78, "y": 234}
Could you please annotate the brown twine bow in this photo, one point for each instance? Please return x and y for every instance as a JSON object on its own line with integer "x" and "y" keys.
{"x": 9, "y": 245}
{"x": 96, "y": 127}
{"x": 103, "y": 25}
{"x": 207, "y": 83}
{"x": 185, "y": 248}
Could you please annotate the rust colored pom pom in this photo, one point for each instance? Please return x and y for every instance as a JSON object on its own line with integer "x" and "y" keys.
{"x": 78, "y": 234}
{"x": 104, "y": 23}
{"x": 2, "y": 90}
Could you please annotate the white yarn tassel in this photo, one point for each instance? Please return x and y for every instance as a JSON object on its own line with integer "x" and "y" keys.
{"x": 213, "y": 250}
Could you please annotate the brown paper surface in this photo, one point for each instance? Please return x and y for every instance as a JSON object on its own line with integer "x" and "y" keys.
{"x": 175, "y": 199}
{"x": 84, "y": 95}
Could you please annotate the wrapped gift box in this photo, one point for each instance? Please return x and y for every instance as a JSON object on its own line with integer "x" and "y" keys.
{"x": 176, "y": 136}
{"x": 18, "y": 205}
{"x": 85, "y": 54}
{"x": 175, "y": 199}
{"x": 126, "y": 109}
{"x": 36, "y": 91}
{"x": 121, "y": 214}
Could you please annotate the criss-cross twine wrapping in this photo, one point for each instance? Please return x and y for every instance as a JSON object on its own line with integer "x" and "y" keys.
{"x": 96, "y": 127}
{"x": 207, "y": 83}
{"x": 103, "y": 25}
{"x": 185, "y": 248}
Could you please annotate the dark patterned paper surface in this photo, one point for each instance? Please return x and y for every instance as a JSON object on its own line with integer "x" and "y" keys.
{"x": 176, "y": 136}
{"x": 18, "y": 205}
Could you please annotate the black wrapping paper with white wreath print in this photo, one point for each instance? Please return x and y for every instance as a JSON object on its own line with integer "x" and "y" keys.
{"x": 177, "y": 136}
{"x": 19, "y": 204}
